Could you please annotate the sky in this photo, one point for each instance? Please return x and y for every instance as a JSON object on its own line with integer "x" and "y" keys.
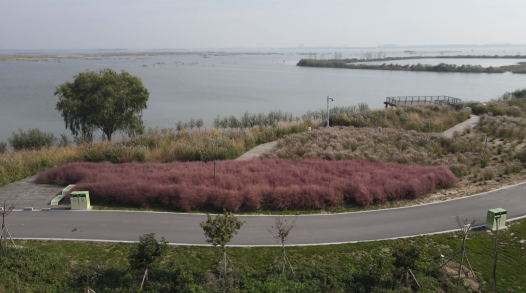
{"x": 158, "y": 24}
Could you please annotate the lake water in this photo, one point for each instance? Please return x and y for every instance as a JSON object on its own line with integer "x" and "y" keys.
{"x": 194, "y": 86}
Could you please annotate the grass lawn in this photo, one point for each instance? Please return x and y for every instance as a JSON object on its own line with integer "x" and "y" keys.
{"x": 511, "y": 266}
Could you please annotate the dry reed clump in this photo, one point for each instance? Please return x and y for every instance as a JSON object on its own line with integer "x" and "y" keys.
{"x": 16, "y": 165}
{"x": 380, "y": 145}
{"x": 250, "y": 185}
{"x": 423, "y": 118}
{"x": 513, "y": 128}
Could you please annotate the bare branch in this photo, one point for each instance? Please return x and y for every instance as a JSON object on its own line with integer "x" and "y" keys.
{"x": 7, "y": 209}
{"x": 465, "y": 228}
{"x": 4, "y": 232}
{"x": 282, "y": 227}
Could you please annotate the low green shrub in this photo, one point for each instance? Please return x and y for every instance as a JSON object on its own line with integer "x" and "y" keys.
{"x": 521, "y": 156}
{"x": 3, "y": 147}
{"x": 488, "y": 175}
{"x": 484, "y": 163}
{"x": 64, "y": 141}
{"x": 513, "y": 168}
{"x": 459, "y": 170}
{"x": 33, "y": 139}
{"x": 115, "y": 153}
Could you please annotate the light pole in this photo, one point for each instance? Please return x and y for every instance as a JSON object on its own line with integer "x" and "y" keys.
{"x": 328, "y": 98}
{"x": 497, "y": 219}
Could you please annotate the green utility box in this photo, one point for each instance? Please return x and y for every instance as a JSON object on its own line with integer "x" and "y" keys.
{"x": 493, "y": 215}
{"x": 74, "y": 200}
{"x": 80, "y": 200}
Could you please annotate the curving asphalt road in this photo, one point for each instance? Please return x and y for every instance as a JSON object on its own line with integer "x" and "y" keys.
{"x": 183, "y": 229}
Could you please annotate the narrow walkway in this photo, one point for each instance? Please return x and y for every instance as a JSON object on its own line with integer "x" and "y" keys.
{"x": 471, "y": 122}
{"x": 257, "y": 151}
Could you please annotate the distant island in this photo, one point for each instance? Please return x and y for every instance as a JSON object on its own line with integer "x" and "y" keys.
{"x": 356, "y": 63}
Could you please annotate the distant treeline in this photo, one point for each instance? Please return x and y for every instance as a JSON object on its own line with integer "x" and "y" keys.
{"x": 371, "y": 58}
{"x": 442, "y": 67}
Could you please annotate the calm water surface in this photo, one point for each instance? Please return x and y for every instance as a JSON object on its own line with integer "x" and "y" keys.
{"x": 192, "y": 86}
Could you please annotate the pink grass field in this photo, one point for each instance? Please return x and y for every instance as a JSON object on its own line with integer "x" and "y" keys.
{"x": 271, "y": 184}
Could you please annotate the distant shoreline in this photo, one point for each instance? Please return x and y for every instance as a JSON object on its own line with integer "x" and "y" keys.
{"x": 355, "y": 63}
{"x": 119, "y": 55}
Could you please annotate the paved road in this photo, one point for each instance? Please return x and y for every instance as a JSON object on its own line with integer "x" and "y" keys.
{"x": 313, "y": 229}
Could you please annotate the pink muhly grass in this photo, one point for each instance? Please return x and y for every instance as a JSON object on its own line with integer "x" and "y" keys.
{"x": 251, "y": 185}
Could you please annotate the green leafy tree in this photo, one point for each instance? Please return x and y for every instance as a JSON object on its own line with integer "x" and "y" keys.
{"x": 406, "y": 258}
{"x": 104, "y": 100}
{"x": 179, "y": 126}
{"x": 244, "y": 121}
{"x": 144, "y": 253}
{"x": 199, "y": 124}
{"x": 3, "y": 147}
{"x": 219, "y": 232}
{"x": 191, "y": 124}
{"x": 217, "y": 122}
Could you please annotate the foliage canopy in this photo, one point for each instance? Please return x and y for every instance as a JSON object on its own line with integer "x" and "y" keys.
{"x": 219, "y": 231}
{"x": 33, "y": 139}
{"x": 104, "y": 100}
{"x": 146, "y": 251}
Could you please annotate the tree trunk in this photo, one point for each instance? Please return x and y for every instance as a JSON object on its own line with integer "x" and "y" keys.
{"x": 224, "y": 262}
{"x": 4, "y": 237}
{"x": 462, "y": 254}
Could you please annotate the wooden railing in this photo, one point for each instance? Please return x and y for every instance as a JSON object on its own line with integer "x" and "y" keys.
{"x": 422, "y": 100}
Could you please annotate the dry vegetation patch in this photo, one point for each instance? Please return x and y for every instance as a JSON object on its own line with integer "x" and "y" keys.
{"x": 478, "y": 157}
{"x": 380, "y": 145}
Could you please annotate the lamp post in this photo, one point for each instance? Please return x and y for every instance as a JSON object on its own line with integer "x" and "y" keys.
{"x": 497, "y": 219}
{"x": 328, "y": 98}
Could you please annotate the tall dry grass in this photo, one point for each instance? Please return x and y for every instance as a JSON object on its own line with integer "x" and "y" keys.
{"x": 513, "y": 128}
{"x": 423, "y": 118}
{"x": 22, "y": 164}
{"x": 382, "y": 145}
{"x": 156, "y": 145}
